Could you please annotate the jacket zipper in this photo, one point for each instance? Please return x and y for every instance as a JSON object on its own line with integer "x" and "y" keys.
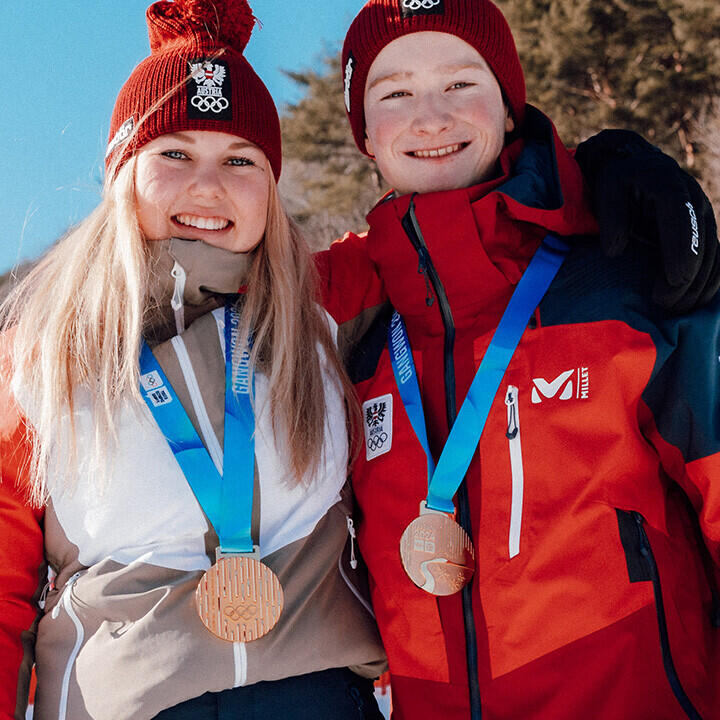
{"x": 516, "y": 470}
{"x": 66, "y": 603}
{"x": 351, "y": 532}
{"x": 177, "y": 303}
{"x": 43, "y": 595}
{"x": 669, "y": 665}
{"x": 353, "y": 564}
{"x": 412, "y": 230}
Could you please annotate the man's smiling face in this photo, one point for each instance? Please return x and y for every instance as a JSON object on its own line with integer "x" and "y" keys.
{"x": 434, "y": 114}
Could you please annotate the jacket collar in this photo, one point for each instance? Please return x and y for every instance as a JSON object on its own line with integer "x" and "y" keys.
{"x": 208, "y": 275}
{"x": 481, "y": 239}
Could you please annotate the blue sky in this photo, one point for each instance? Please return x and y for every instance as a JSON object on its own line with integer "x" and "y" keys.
{"x": 66, "y": 61}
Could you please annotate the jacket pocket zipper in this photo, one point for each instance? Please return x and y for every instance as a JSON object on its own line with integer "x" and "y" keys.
{"x": 352, "y": 534}
{"x": 668, "y": 664}
{"x": 66, "y": 602}
{"x": 516, "y": 469}
{"x": 353, "y": 564}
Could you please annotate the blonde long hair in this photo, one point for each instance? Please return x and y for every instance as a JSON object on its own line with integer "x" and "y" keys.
{"x": 78, "y": 316}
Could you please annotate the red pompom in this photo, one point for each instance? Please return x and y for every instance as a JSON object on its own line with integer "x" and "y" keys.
{"x": 227, "y": 23}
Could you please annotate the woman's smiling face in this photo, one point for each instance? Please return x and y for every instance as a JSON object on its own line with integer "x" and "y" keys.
{"x": 203, "y": 185}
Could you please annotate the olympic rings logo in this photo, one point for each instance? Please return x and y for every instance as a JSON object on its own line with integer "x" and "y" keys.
{"x": 241, "y": 612}
{"x": 377, "y": 441}
{"x": 204, "y": 103}
{"x": 420, "y": 4}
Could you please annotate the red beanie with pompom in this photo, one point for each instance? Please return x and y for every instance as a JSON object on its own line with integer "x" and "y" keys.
{"x": 196, "y": 78}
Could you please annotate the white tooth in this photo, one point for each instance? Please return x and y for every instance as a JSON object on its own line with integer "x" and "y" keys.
{"x": 443, "y": 151}
{"x": 202, "y": 223}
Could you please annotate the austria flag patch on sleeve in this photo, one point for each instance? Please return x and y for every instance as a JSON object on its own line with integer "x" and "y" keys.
{"x": 377, "y": 423}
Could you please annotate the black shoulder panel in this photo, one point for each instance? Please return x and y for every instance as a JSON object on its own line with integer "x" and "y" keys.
{"x": 683, "y": 390}
{"x": 363, "y": 355}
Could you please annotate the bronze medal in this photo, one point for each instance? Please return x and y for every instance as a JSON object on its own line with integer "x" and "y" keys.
{"x": 239, "y": 599}
{"x": 437, "y": 553}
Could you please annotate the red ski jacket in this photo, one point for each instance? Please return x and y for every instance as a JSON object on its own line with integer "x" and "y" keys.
{"x": 594, "y": 494}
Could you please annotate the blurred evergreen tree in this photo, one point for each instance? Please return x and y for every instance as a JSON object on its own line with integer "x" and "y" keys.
{"x": 330, "y": 185}
{"x": 648, "y": 65}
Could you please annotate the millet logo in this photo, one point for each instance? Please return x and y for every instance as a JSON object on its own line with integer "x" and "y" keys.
{"x": 572, "y": 384}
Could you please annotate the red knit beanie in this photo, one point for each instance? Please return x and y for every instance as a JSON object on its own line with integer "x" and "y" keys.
{"x": 477, "y": 22}
{"x": 197, "y": 73}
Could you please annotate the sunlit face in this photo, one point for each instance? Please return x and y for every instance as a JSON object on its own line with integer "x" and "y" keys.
{"x": 435, "y": 116}
{"x": 202, "y": 185}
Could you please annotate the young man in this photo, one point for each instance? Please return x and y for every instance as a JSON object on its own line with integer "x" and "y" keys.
{"x": 554, "y": 556}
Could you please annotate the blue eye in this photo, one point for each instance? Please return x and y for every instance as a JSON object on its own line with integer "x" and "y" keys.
{"x": 240, "y": 161}
{"x": 174, "y": 154}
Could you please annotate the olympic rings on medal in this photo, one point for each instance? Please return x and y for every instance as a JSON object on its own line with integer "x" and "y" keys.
{"x": 420, "y": 4}
{"x": 205, "y": 102}
{"x": 377, "y": 441}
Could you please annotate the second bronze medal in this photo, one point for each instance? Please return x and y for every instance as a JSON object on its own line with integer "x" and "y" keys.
{"x": 437, "y": 554}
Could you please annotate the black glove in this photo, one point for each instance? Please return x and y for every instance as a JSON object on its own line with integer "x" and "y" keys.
{"x": 639, "y": 194}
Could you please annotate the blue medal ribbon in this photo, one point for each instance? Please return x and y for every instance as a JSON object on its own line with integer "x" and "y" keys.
{"x": 406, "y": 379}
{"x": 446, "y": 478}
{"x": 227, "y": 500}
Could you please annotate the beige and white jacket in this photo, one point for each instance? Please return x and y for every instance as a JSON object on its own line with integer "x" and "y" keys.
{"x": 119, "y": 636}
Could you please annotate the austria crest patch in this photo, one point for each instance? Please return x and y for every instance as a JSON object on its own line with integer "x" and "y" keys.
{"x": 209, "y": 90}
{"x": 377, "y": 423}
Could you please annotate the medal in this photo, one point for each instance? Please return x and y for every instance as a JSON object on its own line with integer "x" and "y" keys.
{"x": 239, "y": 599}
{"x": 437, "y": 553}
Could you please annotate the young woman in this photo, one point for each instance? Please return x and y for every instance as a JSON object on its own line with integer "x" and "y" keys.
{"x": 191, "y": 505}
